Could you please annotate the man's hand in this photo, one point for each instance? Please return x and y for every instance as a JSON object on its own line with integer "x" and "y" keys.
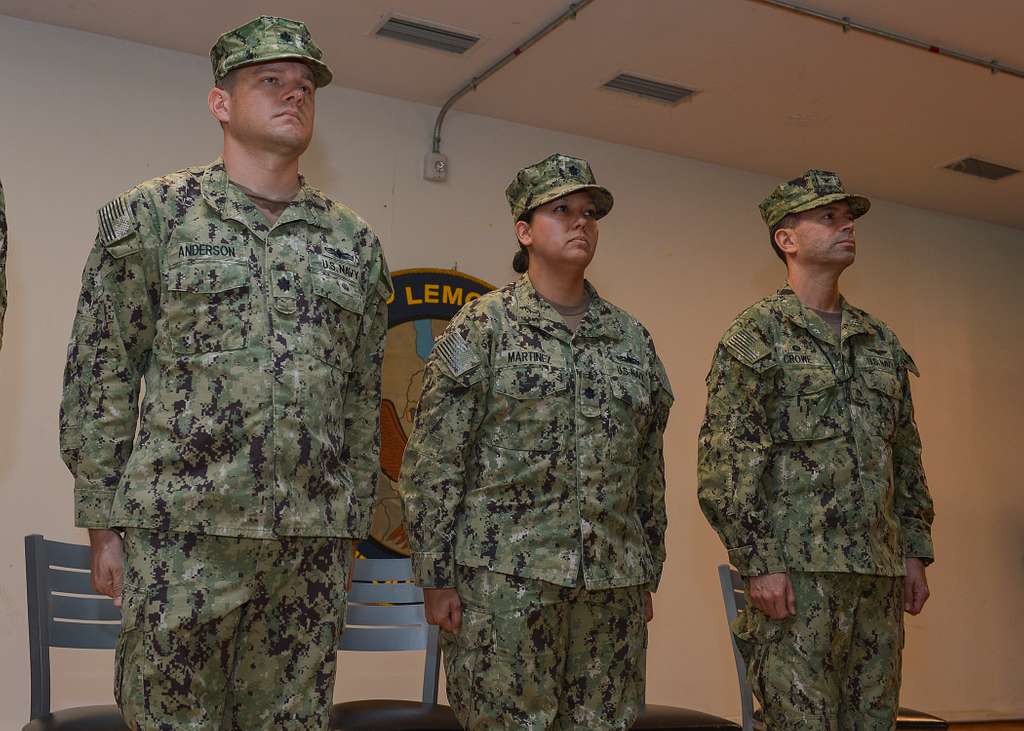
{"x": 915, "y": 587}
{"x": 107, "y": 563}
{"x": 648, "y": 606}
{"x": 443, "y": 608}
{"x": 773, "y": 595}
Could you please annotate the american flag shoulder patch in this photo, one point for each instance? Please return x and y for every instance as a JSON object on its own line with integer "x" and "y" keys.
{"x": 746, "y": 346}
{"x": 456, "y": 354}
{"x": 116, "y": 221}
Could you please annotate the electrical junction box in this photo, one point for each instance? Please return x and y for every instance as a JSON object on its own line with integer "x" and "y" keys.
{"x": 435, "y": 167}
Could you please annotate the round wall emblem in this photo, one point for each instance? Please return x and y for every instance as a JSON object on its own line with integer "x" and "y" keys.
{"x": 423, "y": 303}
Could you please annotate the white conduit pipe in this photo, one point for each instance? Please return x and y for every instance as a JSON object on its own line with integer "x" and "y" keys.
{"x": 490, "y": 70}
{"x": 847, "y": 24}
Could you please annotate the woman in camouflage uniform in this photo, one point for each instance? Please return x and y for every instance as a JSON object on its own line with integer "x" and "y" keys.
{"x": 533, "y": 483}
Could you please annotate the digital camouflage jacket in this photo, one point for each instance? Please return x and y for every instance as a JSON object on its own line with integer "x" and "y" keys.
{"x": 808, "y": 457}
{"x": 537, "y": 452}
{"x": 260, "y": 348}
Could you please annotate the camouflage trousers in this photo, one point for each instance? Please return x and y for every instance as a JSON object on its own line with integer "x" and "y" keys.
{"x": 232, "y": 634}
{"x": 534, "y": 655}
{"x": 836, "y": 664}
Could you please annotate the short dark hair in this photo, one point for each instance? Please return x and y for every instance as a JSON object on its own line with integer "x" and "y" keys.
{"x": 227, "y": 81}
{"x": 521, "y": 261}
{"x": 787, "y": 221}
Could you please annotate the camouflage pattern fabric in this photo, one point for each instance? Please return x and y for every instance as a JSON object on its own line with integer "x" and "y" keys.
{"x": 537, "y": 452}
{"x": 554, "y": 177}
{"x": 265, "y": 39}
{"x": 3, "y": 262}
{"x": 812, "y": 189}
{"x": 808, "y": 457}
{"x": 229, "y": 633}
{"x": 836, "y": 664}
{"x": 533, "y": 655}
{"x": 261, "y": 350}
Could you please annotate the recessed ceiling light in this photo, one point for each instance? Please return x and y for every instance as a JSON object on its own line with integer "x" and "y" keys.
{"x": 650, "y": 89}
{"x": 424, "y": 34}
{"x": 981, "y": 168}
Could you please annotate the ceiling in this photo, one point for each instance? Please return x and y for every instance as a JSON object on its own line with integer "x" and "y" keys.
{"x": 779, "y": 92}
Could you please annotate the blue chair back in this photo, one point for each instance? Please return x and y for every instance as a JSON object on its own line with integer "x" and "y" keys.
{"x": 385, "y": 614}
{"x": 63, "y": 610}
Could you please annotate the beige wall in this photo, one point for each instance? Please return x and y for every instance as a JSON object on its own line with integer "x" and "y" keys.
{"x": 83, "y": 117}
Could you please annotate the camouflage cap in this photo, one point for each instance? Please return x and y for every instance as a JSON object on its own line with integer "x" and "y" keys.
{"x": 554, "y": 177}
{"x": 267, "y": 38}
{"x": 812, "y": 189}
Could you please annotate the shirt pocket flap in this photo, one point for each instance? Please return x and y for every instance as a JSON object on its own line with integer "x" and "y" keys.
{"x": 630, "y": 384}
{"x": 207, "y": 277}
{"x": 807, "y": 408}
{"x": 883, "y": 382}
{"x": 806, "y": 381}
{"x": 533, "y": 381}
{"x": 339, "y": 291}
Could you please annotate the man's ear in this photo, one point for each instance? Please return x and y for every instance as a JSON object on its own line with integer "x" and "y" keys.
{"x": 785, "y": 240}
{"x": 219, "y": 102}
{"x": 523, "y": 233}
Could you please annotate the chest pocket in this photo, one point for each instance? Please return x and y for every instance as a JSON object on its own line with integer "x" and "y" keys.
{"x": 629, "y": 407}
{"x": 335, "y": 315}
{"x": 530, "y": 382}
{"x": 878, "y": 393}
{"x": 630, "y": 385}
{"x": 530, "y": 407}
{"x": 208, "y": 306}
{"x": 807, "y": 406}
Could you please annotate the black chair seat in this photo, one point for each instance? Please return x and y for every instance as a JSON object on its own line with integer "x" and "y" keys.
{"x": 390, "y": 715}
{"x": 83, "y": 718}
{"x": 905, "y": 718}
{"x": 909, "y": 718}
{"x": 668, "y": 718}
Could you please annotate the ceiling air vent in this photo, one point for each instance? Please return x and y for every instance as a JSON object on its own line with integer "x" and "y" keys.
{"x": 431, "y": 36}
{"x": 650, "y": 89}
{"x": 981, "y": 169}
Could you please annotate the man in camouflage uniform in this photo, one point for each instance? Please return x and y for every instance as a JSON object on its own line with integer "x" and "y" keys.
{"x": 809, "y": 468}
{"x": 3, "y": 263}
{"x": 254, "y": 308}
{"x": 533, "y": 483}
